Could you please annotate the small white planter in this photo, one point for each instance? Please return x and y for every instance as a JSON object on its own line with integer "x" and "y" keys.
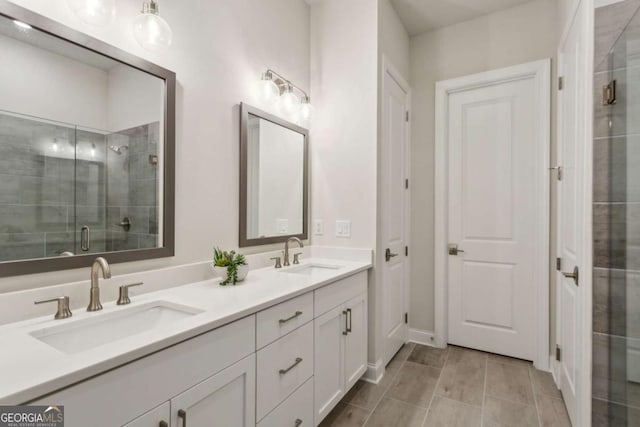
{"x": 243, "y": 270}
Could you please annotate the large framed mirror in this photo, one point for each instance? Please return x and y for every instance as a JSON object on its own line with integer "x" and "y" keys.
{"x": 87, "y": 144}
{"x": 274, "y": 176}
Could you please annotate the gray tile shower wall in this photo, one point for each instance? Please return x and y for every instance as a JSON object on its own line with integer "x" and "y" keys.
{"x": 616, "y": 219}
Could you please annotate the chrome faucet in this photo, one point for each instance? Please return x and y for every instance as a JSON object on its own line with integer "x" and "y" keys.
{"x": 286, "y": 249}
{"x": 94, "y": 295}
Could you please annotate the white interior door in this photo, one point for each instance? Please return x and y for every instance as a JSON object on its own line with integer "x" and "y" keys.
{"x": 572, "y": 217}
{"x": 395, "y": 138}
{"x": 494, "y": 226}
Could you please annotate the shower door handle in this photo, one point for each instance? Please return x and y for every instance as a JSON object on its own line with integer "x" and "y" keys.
{"x": 573, "y": 275}
{"x": 85, "y": 238}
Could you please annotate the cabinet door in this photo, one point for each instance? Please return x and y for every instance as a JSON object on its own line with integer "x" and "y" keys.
{"x": 158, "y": 417}
{"x": 328, "y": 361}
{"x": 226, "y": 399}
{"x": 355, "y": 350}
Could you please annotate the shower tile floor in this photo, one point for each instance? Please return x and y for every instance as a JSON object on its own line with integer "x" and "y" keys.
{"x": 453, "y": 387}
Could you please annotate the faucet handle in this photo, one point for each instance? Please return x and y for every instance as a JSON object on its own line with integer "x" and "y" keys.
{"x": 296, "y": 256}
{"x": 123, "y": 297}
{"x": 278, "y": 261}
{"x": 63, "y": 311}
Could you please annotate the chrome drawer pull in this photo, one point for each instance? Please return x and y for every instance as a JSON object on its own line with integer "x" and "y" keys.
{"x": 298, "y": 422}
{"x": 296, "y": 363}
{"x": 298, "y": 313}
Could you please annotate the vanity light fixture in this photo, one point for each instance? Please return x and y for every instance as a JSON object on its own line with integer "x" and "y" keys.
{"x": 150, "y": 30}
{"x": 98, "y": 13}
{"x": 275, "y": 87}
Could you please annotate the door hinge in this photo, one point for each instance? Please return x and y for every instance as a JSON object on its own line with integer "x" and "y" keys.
{"x": 406, "y": 117}
{"x": 560, "y": 83}
{"x": 406, "y": 251}
{"x": 406, "y": 318}
{"x": 558, "y": 263}
{"x": 558, "y": 353}
{"x": 406, "y": 183}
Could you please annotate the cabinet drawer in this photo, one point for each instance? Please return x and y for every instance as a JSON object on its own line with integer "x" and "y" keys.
{"x": 122, "y": 394}
{"x": 337, "y": 293}
{"x": 283, "y": 366}
{"x": 283, "y": 318}
{"x": 298, "y": 406}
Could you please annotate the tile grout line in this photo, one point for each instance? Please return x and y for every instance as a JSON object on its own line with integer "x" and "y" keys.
{"x": 393, "y": 377}
{"x": 433, "y": 396}
{"x": 484, "y": 390}
{"x": 535, "y": 398}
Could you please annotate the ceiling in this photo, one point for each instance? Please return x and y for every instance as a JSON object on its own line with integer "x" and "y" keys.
{"x": 419, "y": 16}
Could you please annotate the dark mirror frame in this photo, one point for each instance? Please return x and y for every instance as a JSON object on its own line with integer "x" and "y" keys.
{"x": 244, "y": 241}
{"x": 46, "y": 25}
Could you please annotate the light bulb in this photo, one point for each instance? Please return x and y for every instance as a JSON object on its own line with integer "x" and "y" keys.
{"x": 290, "y": 102}
{"x": 99, "y": 13}
{"x": 55, "y": 145}
{"x": 150, "y": 30}
{"x": 306, "y": 110}
{"x": 269, "y": 91}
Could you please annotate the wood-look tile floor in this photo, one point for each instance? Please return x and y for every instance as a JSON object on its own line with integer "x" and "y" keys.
{"x": 453, "y": 387}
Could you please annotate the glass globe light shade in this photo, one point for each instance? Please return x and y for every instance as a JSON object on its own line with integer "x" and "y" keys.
{"x": 269, "y": 91}
{"x": 306, "y": 110}
{"x": 98, "y": 13}
{"x": 152, "y": 32}
{"x": 290, "y": 103}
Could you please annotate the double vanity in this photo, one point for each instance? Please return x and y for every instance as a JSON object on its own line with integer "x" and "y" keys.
{"x": 279, "y": 349}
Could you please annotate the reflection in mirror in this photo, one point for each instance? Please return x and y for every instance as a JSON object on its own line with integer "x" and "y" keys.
{"x": 81, "y": 149}
{"x": 275, "y": 178}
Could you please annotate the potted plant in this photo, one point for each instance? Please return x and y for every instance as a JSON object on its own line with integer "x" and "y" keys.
{"x": 232, "y": 267}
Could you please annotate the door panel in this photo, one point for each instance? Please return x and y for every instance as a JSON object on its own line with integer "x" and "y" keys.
{"x": 226, "y": 399}
{"x": 329, "y": 354}
{"x": 394, "y": 213}
{"x": 355, "y": 354}
{"x": 491, "y": 216}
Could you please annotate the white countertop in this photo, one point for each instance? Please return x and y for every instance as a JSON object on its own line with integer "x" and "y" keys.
{"x": 30, "y": 368}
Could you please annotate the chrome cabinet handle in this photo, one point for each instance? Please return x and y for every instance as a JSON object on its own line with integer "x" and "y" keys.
{"x": 346, "y": 323}
{"x": 388, "y": 255}
{"x": 63, "y": 311}
{"x": 123, "y": 297}
{"x": 182, "y": 414}
{"x": 297, "y": 423}
{"x": 297, "y": 314}
{"x": 349, "y": 324}
{"x": 163, "y": 424}
{"x": 575, "y": 275}
{"x": 85, "y": 238}
{"x": 296, "y": 363}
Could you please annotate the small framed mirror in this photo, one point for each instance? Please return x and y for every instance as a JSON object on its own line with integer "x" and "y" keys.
{"x": 274, "y": 176}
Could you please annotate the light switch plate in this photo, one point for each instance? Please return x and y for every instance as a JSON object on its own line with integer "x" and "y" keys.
{"x": 318, "y": 227}
{"x": 343, "y": 228}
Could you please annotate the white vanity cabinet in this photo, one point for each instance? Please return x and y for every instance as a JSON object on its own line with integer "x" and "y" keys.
{"x": 158, "y": 417}
{"x": 340, "y": 336}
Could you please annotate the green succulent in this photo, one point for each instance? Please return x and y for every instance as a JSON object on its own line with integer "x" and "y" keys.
{"x": 231, "y": 260}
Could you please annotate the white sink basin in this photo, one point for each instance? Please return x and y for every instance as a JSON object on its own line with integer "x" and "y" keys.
{"x": 313, "y": 269}
{"x": 103, "y": 329}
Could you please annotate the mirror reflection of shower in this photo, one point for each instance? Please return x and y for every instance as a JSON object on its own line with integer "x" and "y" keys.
{"x": 118, "y": 149}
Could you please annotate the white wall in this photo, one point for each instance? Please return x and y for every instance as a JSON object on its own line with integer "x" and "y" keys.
{"x": 344, "y": 63}
{"x": 77, "y": 97}
{"x": 220, "y": 50}
{"x": 133, "y": 98}
{"x": 513, "y": 36}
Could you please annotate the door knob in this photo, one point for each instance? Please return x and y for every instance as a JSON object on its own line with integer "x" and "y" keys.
{"x": 388, "y": 255}
{"x": 453, "y": 249}
{"x": 574, "y": 275}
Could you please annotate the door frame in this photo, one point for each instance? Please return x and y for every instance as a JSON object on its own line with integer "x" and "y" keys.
{"x": 387, "y": 67}
{"x": 540, "y": 71}
{"x": 585, "y": 298}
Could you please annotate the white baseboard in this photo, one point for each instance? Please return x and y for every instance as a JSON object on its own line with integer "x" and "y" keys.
{"x": 422, "y": 337}
{"x": 553, "y": 368}
{"x": 374, "y": 372}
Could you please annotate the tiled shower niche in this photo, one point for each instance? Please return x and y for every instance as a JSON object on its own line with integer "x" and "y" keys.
{"x": 56, "y": 178}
